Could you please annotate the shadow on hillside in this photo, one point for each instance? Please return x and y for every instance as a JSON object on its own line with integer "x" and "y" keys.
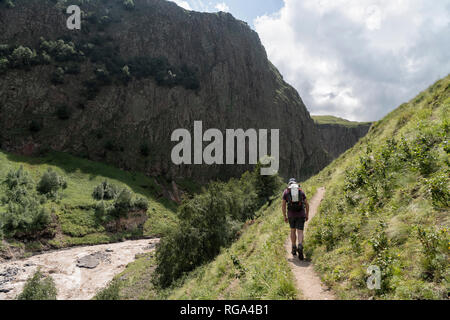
{"x": 136, "y": 181}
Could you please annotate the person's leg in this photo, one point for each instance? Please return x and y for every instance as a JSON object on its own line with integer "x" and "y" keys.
{"x": 300, "y": 228}
{"x": 293, "y": 238}
{"x": 300, "y": 236}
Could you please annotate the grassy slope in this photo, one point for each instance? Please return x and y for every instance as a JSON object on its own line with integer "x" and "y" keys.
{"x": 336, "y": 120}
{"x": 409, "y": 203}
{"x": 75, "y": 214}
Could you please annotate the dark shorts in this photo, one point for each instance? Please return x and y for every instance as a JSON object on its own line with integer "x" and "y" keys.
{"x": 297, "y": 223}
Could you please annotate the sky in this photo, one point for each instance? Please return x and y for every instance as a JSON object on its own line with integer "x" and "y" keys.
{"x": 355, "y": 59}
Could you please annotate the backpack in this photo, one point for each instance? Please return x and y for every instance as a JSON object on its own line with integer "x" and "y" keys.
{"x": 295, "y": 202}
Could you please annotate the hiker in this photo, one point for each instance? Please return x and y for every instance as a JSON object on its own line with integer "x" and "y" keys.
{"x": 297, "y": 215}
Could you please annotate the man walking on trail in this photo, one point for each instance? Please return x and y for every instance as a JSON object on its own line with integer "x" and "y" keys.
{"x": 298, "y": 213}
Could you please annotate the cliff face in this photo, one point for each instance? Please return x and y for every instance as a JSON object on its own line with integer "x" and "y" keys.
{"x": 336, "y": 138}
{"x": 108, "y": 92}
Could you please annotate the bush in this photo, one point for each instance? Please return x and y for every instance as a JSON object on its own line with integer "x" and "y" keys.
{"x": 111, "y": 292}
{"x": 19, "y": 178}
{"x": 38, "y": 287}
{"x": 23, "y": 57}
{"x": 105, "y": 191}
{"x": 25, "y": 218}
{"x": 123, "y": 203}
{"x": 4, "y": 64}
{"x": 24, "y": 214}
{"x": 60, "y": 50}
{"x": 439, "y": 189}
{"x": 57, "y": 76}
{"x": 51, "y": 183}
{"x": 141, "y": 203}
{"x": 435, "y": 244}
{"x": 128, "y": 4}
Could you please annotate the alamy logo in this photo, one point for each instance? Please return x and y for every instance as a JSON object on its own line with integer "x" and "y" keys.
{"x": 374, "y": 281}
{"x": 235, "y": 141}
{"x": 74, "y": 21}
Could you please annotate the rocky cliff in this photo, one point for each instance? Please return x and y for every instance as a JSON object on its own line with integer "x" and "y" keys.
{"x": 115, "y": 90}
{"x": 338, "y": 135}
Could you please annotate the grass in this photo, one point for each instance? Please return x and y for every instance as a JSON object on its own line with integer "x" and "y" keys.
{"x": 338, "y": 121}
{"x": 254, "y": 268}
{"x": 383, "y": 228}
{"x": 74, "y": 210}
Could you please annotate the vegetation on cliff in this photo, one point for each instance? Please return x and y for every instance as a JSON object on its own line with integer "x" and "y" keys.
{"x": 59, "y": 200}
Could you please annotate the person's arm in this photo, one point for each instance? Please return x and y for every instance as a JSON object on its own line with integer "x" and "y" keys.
{"x": 307, "y": 209}
{"x": 283, "y": 207}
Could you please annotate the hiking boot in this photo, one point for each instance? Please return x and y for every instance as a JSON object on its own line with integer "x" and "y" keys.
{"x": 294, "y": 250}
{"x": 300, "y": 252}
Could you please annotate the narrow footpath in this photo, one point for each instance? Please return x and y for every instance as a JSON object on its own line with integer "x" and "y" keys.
{"x": 307, "y": 281}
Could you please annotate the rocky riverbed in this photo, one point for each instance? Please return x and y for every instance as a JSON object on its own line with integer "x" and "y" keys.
{"x": 79, "y": 273}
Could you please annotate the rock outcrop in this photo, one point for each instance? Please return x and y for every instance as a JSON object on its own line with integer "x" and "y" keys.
{"x": 100, "y": 102}
{"x": 337, "y": 138}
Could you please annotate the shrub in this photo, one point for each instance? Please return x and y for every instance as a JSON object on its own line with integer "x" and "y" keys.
{"x": 9, "y": 4}
{"x": 51, "y": 183}
{"x": 25, "y": 217}
{"x": 57, "y": 76}
{"x": 123, "y": 203}
{"x": 439, "y": 189}
{"x": 4, "y": 64}
{"x": 266, "y": 185}
{"x": 103, "y": 76}
{"x": 60, "y": 50}
{"x": 23, "y": 57}
{"x": 141, "y": 203}
{"x": 128, "y": 4}
{"x": 19, "y": 178}
{"x": 111, "y": 292}
{"x": 435, "y": 244}
{"x": 105, "y": 191}
{"x": 38, "y": 287}
{"x": 125, "y": 75}
{"x": 24, "y": 214}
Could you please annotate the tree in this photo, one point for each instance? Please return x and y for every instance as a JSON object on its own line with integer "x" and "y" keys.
{"x": 266, "y": 186}
{"x": 128, "y": 4}
{"x": 50, "y": 183}
{"x": 23, "y": 57}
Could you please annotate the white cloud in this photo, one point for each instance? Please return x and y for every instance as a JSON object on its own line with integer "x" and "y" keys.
{"x": 222, "y": 7}
{"x": 182, "y": 3}
{"x": 358, "y": 59}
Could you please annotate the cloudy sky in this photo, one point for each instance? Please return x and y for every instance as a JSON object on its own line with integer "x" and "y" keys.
{"x": 356, "y": 59}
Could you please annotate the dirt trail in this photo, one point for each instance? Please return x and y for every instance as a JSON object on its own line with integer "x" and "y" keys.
{"x": 307, "y": 280}
{"x": 79, "y": 273}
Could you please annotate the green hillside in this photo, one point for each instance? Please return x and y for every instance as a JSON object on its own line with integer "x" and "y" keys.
{"x": 337, "y": 120}
{"x": 34, "y": 220}
{"x": 387, "y": 204}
